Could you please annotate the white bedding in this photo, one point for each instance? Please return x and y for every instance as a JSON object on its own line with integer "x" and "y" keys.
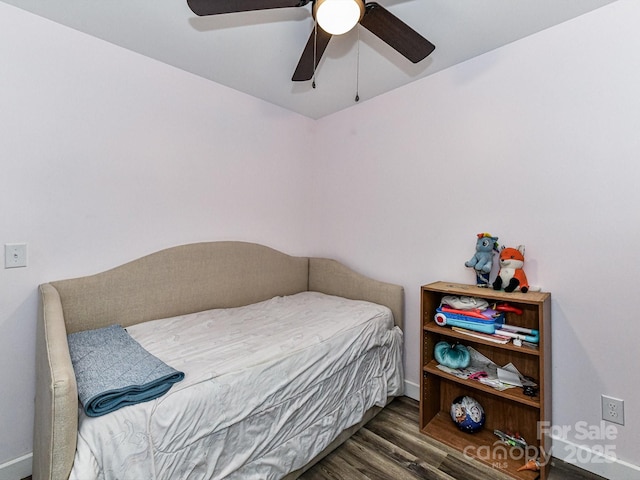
{"x": 266, "y": 388}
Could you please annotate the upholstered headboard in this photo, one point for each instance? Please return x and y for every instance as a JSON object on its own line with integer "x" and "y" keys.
{"x": 175, "y": 281}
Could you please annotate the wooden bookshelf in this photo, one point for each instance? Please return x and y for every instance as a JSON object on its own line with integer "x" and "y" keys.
{"x": 506, "y": 410}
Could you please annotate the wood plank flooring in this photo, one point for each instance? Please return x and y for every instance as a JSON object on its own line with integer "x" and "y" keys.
{"x": 390, "y": 447}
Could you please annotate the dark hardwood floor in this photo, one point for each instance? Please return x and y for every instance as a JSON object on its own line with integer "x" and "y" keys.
{"x": 390, "y": 447}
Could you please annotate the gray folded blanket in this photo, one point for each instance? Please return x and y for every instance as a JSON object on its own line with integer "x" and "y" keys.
{"x": 113, "y": 370}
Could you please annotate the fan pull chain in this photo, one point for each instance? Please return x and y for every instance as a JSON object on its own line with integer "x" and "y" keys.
{"x": 315, "y": 49}
{"x": 358, "y": 65}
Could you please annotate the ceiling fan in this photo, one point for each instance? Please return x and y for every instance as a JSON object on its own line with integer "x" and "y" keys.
{"x": 372, "y": 16}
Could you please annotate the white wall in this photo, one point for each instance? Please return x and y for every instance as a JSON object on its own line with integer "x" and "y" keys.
{"x": 538, "y": 143}
{"x": 107, "y": 156}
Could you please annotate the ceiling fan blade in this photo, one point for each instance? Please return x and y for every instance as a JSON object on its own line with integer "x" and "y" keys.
{"x": 306, "y": 67}
{"x": 216, "y": 7}
{"x": 397, "y": 34}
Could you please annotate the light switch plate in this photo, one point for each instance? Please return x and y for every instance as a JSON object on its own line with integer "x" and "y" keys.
{"x": 15, "y": 255}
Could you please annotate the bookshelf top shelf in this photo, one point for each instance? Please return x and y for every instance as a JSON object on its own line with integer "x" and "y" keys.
{"x": 487, "y": 293}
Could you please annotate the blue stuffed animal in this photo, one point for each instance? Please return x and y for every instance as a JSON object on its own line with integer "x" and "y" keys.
{"x": 482, "y": 261}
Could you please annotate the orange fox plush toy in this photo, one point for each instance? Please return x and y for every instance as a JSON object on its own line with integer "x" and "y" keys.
{"x": 511, "y": 276}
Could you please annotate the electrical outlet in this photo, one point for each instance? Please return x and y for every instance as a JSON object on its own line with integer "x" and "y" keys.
{"x": 613, "y": 409}
{"x": 15, "y": 255}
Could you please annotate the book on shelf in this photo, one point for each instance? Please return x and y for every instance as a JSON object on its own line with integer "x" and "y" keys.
{"x": 484, "y": 336}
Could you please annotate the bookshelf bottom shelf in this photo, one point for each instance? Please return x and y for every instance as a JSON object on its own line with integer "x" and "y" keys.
{"x": 483, "y": 446}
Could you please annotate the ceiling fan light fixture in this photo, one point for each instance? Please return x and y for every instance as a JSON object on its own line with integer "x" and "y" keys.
{"x": 338, "y": 16}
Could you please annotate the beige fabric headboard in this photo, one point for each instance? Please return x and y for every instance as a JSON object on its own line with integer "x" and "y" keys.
{"x": 179, "y": 280}
{"x": 175, "y": 281}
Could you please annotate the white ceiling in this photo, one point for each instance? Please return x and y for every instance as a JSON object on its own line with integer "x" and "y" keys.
{"x": 257, "y": 52}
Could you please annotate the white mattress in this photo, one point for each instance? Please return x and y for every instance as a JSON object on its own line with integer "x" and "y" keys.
{"x": 266, "y": 388}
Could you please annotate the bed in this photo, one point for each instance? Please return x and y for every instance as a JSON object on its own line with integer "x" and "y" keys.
{"x": 283, "y": 357}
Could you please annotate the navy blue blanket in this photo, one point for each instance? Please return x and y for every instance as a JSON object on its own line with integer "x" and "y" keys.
{"x": 113, "y": 370}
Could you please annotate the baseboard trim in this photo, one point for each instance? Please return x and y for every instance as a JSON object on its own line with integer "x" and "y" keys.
{"x": 17, "y": 468}
{"x": 583, "y": 457}
{"x": 412, "y": 390}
